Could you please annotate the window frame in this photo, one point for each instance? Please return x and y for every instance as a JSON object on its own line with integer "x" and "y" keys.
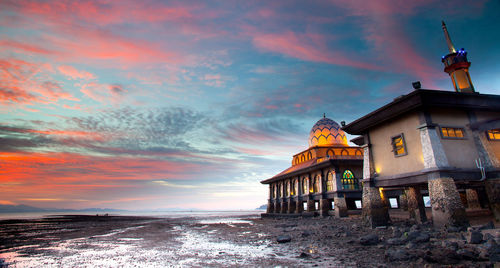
{"x": 488, "y": 136}
{"x": 453, "y": 138}
{"x": 394, "y": 147}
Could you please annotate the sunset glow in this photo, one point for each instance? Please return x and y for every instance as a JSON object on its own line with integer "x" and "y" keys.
{"x": 189, "y": 104}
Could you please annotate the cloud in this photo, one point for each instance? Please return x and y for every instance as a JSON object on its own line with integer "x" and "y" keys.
{"x": 23, "y": 82}
{"x": 73, "y": 73}
{"x": 167, "y": 183}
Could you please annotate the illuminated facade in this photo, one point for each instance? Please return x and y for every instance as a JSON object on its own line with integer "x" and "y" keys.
{"x": 323, "y": 179}
{"x": 442, "y": 144}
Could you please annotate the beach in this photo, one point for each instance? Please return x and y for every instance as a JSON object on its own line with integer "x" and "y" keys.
{"x": 235, "y": 240}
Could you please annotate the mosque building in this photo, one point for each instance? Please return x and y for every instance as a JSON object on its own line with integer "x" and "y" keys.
{"x": 323, "y": 179}
{"x": 443, "y": 144}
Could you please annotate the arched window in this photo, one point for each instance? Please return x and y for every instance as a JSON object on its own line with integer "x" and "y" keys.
{"x": 330, "y": 153}
{"x": 358, "y": 152}
{"x": 274, "y": 191}
{"x": 349, "y": 181}
{"x": 344, "y": 152}
{"x": 302, "y": 158}
{"x": 294, "y": 187}
{"x": 329, "y": 181}
{"x": 317, "y": 181}
{"x": 287, "y": 188}
{"x": 309, "y": 156}
{"x": 305, "y": 183}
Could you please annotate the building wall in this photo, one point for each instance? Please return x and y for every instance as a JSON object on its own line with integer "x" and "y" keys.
{"x": 385, "y": 162}
{"x": 461, "y": 153}
{"x": 493, "y": 144}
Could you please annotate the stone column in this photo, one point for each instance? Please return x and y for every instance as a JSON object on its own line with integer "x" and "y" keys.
{"x": 310, "y": 205}
{"x": 291, "y": 207}
{"x": 492, "y": 187}
{"x": 270, "y": 206}
{"x": 403, "y": 202}
{"x": 432, "y": 149}
{"x": 340, "y": 207}
{"x": 416, "y": 206}
{"x": 324, "y": 206}
{"x": 299, "y": 207}
{"x": 472, "y": 199}
{"x": 447, "y": 208}
{"x": 284, "y": 207}
{"x": 277, "y": 208}
{"x": 374, "y": 211}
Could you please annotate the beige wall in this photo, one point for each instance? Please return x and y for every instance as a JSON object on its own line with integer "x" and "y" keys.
{"x": 494, "y": 145}
{"x": 461, "y": 153}
{"x": 386, "y": 164}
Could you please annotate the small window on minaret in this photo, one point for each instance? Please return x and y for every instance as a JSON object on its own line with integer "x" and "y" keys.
{"x": 493, "y": 134}
{"x": 398, "y": 145}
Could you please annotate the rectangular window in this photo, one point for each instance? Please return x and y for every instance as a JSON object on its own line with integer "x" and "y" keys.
{"x": 493, "y": 134}
{"x": 398, "y": 145}
{"x": 452, "y": 133}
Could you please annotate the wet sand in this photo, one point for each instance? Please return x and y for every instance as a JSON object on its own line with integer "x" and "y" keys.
{"x": 235, "y": 241}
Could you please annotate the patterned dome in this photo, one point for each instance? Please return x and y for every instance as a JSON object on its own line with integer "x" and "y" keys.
{"x": 327, "y": 132}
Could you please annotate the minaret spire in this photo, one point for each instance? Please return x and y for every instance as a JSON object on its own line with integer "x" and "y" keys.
{"x": 457, "y": 66}
{"x": 451, "y": 48}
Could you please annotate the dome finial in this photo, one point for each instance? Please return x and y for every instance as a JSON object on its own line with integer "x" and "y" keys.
{"x": 324, "y": 115}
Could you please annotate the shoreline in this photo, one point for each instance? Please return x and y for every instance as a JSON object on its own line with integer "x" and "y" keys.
{"x": 236, "y": 240}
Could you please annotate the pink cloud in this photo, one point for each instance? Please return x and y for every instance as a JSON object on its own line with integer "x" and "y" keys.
{"x": 309, "y": 47}
{"x": 22, "y": 82}
{"x": 104, "y": 93}
{"x": 73, "y": 73}
{"x": 22, "y": 47}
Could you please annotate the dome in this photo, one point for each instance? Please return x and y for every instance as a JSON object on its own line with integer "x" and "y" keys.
{"x": 327, "y": 132}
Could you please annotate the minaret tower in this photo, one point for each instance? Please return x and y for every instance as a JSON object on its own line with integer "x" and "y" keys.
{"x": 457, "y": 66}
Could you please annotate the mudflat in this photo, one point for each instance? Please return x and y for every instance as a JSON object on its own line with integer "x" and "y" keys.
{"x": 235, "y": 241}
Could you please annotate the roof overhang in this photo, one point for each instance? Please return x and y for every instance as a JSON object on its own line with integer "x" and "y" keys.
{"x": 420, "y": 99}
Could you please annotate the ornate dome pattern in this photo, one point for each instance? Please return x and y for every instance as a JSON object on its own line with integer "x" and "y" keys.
{"x": 327, "y": 132}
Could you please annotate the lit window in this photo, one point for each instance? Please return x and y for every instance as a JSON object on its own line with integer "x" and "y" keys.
{"x": 316, "y": 184}
{"x": 398, "y": 145}
{"x": 329, "y": 181}
{"x": 311, "y": 185}
{"x": 494, "y": 134}
{"x": 287, "y": 189}
{"x": 349, "y": 182}
{"x": 452, "y": 132}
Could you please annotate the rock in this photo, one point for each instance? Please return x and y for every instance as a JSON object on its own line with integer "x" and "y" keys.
{"x": 451, "y": 245}
{"x": 442, "y": 256}
{"x": 306, "y": 233}
{"x": 467, "y": 254}
{"x": 397, "y": 255}
{"x": 423, "y": 237}
{"x": 411, "y": 245}
{"x": 284, "y": 239}
{"x": 396, "y": 232}
{"x": 304, "y": 255}
{"x": 452, "y": 229}
{"x": 396, "y": 241}
{"x": 414, "y": 228}
{"x": 412, "y": 235}
{"x": 474, "y": 237}
{"x": 370, "y": 239}
{"x": 487, "y": 226}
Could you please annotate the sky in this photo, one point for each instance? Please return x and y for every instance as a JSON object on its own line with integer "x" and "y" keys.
{"x": 147, "y": 105}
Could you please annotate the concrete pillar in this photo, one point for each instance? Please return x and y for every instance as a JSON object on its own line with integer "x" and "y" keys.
{"x": 284, "y": 207}
{"x": 416, "y": 206}
{"x": 432, "y": 149}
{"x": 472, "y": 199}
{"x": 324, "y": 206}
{"x": 340, "y": 207}
{"x": 291, "y": 207}
{"x": 403, "y": 202}
{"x": 310, "y": 205}
{"x": 299, "y": 207}
{"x": 447, "y": 208}
{"x": 270, "y": 206}
{"x": 277, "y": 208}
{"x": 374, "y": 211}
{"x": 492, "y": 187}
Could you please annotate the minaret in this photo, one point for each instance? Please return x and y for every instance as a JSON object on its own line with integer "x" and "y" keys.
{"x": 457, "y": 66}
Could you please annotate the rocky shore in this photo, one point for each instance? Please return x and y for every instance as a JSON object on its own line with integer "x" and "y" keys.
{"x": 243, "y": 240}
